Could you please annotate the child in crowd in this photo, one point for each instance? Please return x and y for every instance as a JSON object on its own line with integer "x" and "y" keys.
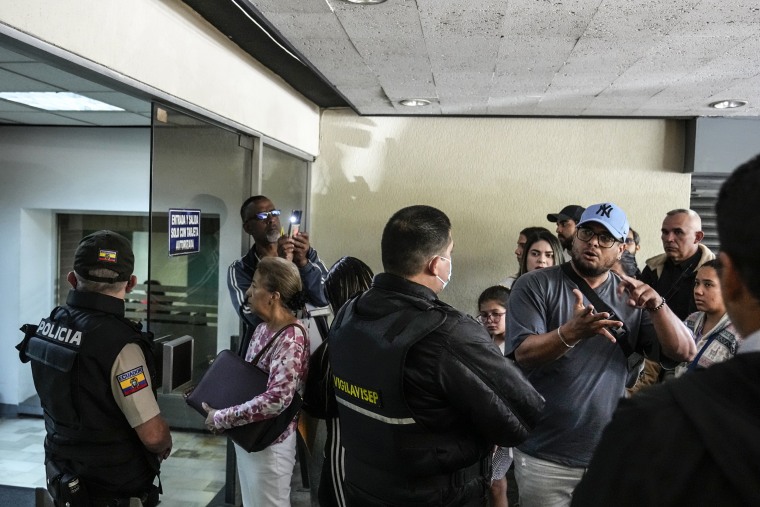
{"x": 492, "y": 313}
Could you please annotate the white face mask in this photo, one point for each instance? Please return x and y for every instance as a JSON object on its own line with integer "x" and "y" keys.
{"x": 445, "y": 283}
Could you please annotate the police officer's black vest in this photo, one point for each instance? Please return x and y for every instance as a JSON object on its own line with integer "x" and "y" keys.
{"x": 371, "y": 397}
{"x": 72, "y": 353}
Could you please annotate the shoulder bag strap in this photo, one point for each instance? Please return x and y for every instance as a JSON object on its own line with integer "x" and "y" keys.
{"x": 595, "y": 300}
{"x": 693, "y": 364}
{"x": 688, "y": 271}
{"x": 256, "y": 358}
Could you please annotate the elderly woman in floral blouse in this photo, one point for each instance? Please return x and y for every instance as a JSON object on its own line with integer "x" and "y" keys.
{"x": 275, "y": 294}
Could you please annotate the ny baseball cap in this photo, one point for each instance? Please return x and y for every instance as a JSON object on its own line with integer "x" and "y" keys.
{"x": 572, "y": 212}
{"x": 610, "y": 216}
{"x": 104, "y": 250}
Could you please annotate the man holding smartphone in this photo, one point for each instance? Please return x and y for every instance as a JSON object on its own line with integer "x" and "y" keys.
{"x": 261, "y": 220}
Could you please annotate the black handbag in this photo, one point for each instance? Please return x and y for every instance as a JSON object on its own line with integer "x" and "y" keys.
{"x": 231, "y": 380}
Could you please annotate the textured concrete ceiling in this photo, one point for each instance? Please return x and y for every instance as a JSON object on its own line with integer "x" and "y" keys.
{"x": 609, "y": 58}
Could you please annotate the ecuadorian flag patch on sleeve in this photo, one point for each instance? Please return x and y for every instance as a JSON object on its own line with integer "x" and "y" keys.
{"x": 132, "y": 381}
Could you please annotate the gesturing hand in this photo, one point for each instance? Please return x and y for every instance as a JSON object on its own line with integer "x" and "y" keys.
{"x": 585, "y": 323}
{"x": 640, "y": 295}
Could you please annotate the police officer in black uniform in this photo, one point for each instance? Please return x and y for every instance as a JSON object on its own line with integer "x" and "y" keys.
{"x": 423, "y": 393}
{"x": 93, "y": 372}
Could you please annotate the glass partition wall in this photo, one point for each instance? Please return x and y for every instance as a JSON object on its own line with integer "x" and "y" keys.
{"x": 284, "y": 180}
{"x": 198, "y": 169}
{"x": 200, "y": 174}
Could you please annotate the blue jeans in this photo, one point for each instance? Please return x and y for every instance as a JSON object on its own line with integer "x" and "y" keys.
{"x": 544, "y": 483}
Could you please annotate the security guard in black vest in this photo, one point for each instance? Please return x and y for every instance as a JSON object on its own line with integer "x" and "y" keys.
{"x": 93, "y": 371}
{"x": 423, "y": 393}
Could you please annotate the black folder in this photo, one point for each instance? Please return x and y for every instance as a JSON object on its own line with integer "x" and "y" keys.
{"x": 229, "y": 381}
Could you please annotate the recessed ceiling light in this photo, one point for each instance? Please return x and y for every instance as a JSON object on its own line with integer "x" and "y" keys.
{"x": 728, "y": 104}
{"x": 58, "y": 101}
{"x": 364, "y": 2}
{"x": 414, "y": 102}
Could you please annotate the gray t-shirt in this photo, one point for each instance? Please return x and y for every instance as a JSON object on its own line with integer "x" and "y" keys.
{"x": 583, "y": 387}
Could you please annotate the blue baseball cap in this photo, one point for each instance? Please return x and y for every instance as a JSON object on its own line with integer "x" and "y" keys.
{"x": 610, "y": 216}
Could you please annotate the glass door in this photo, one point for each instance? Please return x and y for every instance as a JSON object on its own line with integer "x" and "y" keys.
{"x": 284, "y": 179}
{"x": 200, "y": 174}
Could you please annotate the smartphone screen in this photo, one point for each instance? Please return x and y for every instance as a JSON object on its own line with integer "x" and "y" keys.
{"x": 295, "y": 223}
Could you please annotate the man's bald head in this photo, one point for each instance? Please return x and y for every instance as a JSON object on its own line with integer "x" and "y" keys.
{"x": 681, "y": 233}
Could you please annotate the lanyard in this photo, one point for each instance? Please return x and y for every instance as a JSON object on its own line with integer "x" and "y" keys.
{"x": 693, "y": 365}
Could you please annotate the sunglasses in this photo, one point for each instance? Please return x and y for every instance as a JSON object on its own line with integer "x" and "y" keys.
{"x": 265, "y": 215}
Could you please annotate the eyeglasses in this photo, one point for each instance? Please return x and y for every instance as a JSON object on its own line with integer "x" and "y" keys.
{"x": 605, "y": 240}
{"x": 265, "y": 214}
{"x": 484, "y": 317}
{"x": 630, "y": 241}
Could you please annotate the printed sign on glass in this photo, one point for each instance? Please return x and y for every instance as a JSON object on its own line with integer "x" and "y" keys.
{"x": 184, "y": 231}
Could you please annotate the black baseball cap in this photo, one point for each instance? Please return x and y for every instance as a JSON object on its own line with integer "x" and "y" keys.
{"x": 104, "y": 250}
{"x": 572, "y": 212}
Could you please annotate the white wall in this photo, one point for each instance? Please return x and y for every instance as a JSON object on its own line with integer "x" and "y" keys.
{"x": 45, "y": 170}
{"x": 492, "y": 177}
{"x": 166, "y": 45}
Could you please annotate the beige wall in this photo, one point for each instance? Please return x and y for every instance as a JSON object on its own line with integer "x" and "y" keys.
{"x": 167, "y": 46}
{"x": 492, "y": 177}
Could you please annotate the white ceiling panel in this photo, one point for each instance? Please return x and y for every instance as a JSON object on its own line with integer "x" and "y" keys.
{"x": 41, "y": 118}
{"x": 312, "y": 25}
{"x": 297, "y": 6}
{"x": 9, "y": 106}
{"x": 531, "y": 57}
{"x": 26, "y": 73}
{"x": 121, "y": 100}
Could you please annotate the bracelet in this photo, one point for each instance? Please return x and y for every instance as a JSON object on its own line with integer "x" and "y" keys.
{"x": 662, "y": 303}
{"x": 563, "y": 340}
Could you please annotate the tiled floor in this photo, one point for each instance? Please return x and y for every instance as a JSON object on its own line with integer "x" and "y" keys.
{"x": 193, "y": 475}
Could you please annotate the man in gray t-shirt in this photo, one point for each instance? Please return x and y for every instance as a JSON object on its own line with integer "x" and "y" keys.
{"x": 568, "y": 353}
